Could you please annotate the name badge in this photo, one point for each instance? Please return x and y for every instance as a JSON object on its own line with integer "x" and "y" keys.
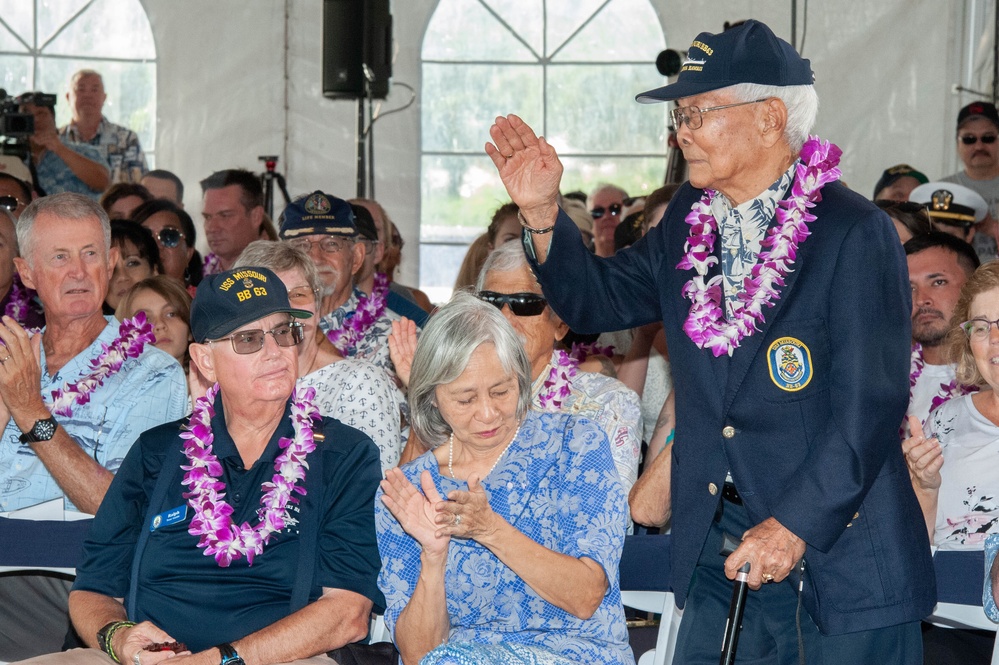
{"x": 790, "y": 364}
{"x": 172, "y": 516}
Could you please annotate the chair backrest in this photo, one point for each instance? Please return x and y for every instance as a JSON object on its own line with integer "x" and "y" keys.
{"x": 645, "y": 586}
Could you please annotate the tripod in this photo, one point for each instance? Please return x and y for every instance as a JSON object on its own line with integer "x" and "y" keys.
{"x": 267, "y": 179}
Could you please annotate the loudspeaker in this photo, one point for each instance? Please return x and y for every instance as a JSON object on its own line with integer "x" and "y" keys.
{"x": 356, "y": 33}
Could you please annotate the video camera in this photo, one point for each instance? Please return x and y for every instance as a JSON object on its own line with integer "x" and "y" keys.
{"x": 16, "y": 127}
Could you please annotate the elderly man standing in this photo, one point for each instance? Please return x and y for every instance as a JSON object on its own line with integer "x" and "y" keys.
{"x": 786, "y": 310}
{"x": 246, "y": 531}
{"x": 76, "y": 396}
{"x": 119, "y": 146}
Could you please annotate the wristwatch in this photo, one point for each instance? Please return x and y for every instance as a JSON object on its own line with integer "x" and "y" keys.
{"x": 43, "y": 430}
{"x": 106, "y": 634}
{"x": 229, "y": 655}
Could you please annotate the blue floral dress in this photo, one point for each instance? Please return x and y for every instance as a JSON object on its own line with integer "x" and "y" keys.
{"x": 557, "y": 484}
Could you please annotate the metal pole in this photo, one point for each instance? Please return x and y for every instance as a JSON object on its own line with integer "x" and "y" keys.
{"x": 361, "y": 150}
{"x": 794, "y": 23}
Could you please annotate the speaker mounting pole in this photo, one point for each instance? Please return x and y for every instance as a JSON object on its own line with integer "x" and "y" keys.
{"x": 362, "y": 151}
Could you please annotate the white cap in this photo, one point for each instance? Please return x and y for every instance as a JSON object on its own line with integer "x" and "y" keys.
{"x": 946, "y": 201}
{"x": 11, "y": 165}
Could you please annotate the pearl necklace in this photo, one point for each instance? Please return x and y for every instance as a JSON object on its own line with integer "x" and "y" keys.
{"x": 450, "y": 453}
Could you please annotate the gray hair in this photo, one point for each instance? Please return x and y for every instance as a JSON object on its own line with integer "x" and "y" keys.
{"x": 605, "y": 186}
{"x": 85, "y": 72}
{"x": 801, "y": 101}
{"x": 447, "y": 343}
{"x": 509, "y": 257}
{"x": 279, "y": 255}
{"x": 65, "y": 205}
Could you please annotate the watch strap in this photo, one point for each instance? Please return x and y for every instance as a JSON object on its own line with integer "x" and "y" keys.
{"x": 43, "y": 430}
{"x": 229, "y": 655}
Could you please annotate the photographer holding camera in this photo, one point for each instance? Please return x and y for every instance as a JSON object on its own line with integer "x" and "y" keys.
{"x": 59, "y": 166}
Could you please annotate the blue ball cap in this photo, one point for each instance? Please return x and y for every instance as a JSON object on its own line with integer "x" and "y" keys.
{"x": 747, "y": 53}
{"x": 317, "y": 213}
{"x": 231, "y": 299}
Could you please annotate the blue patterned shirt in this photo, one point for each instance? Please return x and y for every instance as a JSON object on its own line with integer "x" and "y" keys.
{"x": 557, "y": 485}
{"x": 147, "y": 391}
{"x": 742, "y": 230}
{"x": 55, "y": 176}
{"x": 118, "y": 147}
{"x": 989, "y": 603}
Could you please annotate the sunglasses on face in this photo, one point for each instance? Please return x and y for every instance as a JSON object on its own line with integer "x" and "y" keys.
{"x": 9, "y": 202}
{"x": 168, "y": 236}
{"x": 245, "y": 342}
{"x": 521, "y": 304}
{"x": 971, "y": 139}
{"x": 613, "y": 209}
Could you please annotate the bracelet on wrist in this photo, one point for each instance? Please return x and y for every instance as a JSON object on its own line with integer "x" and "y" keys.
{"x": 531, "y": 229}
{"x": 105, "y": 637}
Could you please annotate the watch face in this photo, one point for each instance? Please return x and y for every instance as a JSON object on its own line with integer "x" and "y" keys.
{"x": 44, "y": 430}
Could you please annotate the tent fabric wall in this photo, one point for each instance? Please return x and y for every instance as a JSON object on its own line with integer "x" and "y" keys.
{"x": 242, "y": 78}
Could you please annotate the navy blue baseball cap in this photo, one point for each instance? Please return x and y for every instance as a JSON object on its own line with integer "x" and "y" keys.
{"x": 747, "y": 53}
{"x": 231, "y": 299}
{"x": 317, "y": 213}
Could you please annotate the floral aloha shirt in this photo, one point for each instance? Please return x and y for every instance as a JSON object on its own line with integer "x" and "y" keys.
{"x": 558, "y": 485}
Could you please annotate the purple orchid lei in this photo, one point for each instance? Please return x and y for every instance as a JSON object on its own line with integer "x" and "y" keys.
{"x": 20, "y": 296}
{"x": 945, "y": 393}
{"x": 212, "y": 520}
{"x": 211, "y": 265}
{"x": 355, "y": 326}
{"x": 133, "y": 335}
{"x": 706, "y": 325}
{"x": 558, "y": 386}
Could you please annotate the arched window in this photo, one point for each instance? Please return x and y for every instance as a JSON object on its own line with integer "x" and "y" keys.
{"x": 570, "y": 68}
{"x": 42, "y": 42}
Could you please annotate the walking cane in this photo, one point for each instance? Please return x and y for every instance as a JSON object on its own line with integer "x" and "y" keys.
{"x": 734, "y": 623}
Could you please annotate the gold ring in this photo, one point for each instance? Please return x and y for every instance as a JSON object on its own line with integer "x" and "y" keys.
{"x": 767, "y": 577}
{"x": 510, "y": 156}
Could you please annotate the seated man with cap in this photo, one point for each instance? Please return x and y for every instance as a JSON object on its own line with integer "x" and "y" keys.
{"x": 953, "y": 209}
{"x": 199, "y": 545}
{"x": 897, "y": 182}
{"x": 325, "y": 228}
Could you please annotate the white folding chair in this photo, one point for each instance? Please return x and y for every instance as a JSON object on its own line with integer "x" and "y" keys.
{"x": 663, "y": 603}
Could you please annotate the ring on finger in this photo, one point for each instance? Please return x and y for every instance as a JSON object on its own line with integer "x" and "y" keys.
{"x": 767, "y": 577}
{"x": 457, "y": 520}
{"x": 135, "y": 658}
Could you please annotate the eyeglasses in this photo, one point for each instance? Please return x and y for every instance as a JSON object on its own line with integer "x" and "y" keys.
{"x": 978, "y": 329}
{"x": 302, "y": 295}
{"x": 521, "y": 304}
{"x": 614, "y": 209}
{"x": 329, "y": 244}
{"x": 971, "y": 139}
{"x": 9, "y": 202}
{"x": 245, "y": 342}
{"x": 691, "y": 115}
{"x": 168, "y": 236}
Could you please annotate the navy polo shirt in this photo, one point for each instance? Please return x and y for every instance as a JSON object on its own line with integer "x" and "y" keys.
{"x": 188, "y": 594}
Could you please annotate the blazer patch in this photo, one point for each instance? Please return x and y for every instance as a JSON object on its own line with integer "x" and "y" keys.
{"x": 790, "y": 364}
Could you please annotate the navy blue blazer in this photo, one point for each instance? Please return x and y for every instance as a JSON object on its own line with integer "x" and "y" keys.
{"x": 820, "y": 455}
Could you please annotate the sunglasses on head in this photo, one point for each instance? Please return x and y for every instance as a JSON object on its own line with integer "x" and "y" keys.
{"x": 971, "y": 139}
{"x": 521, "y": 304}
{"x": 168, "y": 236}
